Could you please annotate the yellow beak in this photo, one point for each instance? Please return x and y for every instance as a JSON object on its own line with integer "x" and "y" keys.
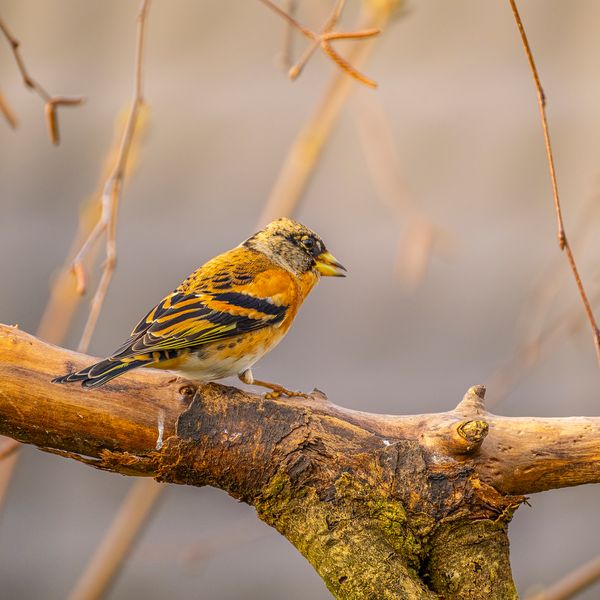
{"x": 329, "y": 266}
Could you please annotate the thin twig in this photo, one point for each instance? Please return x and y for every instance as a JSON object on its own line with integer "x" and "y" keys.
{"x": 304, "y": 153}
{"x": 51, "y": 103}
{"x": 295, "y": 70}
{"x": 562, "y": 237}
{"x": 122, "y": 534}
{"x": 112, "y": 194}
{"x": 324, "y": 39}
{"x": 574, "y": 582}
{"x": 66, "y": 291}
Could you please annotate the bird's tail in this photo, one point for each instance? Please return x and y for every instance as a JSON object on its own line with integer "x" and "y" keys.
{"x": 103, "y": 371}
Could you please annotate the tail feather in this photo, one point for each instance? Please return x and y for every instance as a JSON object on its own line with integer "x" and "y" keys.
{"x": 100, "y": 373}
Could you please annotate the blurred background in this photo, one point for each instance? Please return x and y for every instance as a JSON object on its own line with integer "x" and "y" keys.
{"x": 432, "y": 190}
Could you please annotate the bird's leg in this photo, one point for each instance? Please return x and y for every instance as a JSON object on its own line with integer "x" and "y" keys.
{"x": 276, "y": 389}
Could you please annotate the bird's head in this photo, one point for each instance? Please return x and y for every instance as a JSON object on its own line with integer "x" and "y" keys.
{"x": 295, "y": 247}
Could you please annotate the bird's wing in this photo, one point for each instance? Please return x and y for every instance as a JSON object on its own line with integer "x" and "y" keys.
{"x": 215, "y": 303}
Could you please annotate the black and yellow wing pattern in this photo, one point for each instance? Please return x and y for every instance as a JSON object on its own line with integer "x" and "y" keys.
{"x": 215, "y": 303}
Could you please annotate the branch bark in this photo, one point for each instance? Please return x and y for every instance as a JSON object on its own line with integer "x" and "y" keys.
{"x": 382, "y": 506}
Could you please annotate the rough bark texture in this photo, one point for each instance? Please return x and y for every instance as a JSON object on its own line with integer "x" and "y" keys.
{"x": 382, "y": 506}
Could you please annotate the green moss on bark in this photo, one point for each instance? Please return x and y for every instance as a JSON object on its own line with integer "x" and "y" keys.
{"x": 470, "y": 560}
{"x": 358, "y": 544}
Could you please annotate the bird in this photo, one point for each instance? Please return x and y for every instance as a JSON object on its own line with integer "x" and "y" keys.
{"x": 228, "y": 313}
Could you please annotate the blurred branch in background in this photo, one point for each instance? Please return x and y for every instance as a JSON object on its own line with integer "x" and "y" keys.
{"x": 562, "y": 236}
{"x": 9, "y": 446}
{"x": 304, "y": 153}
{"x": 8, "y": 461}
{"x": 324, "y": 39}
{"x": 111, "y": 195}
{"x": 219, "y": 540}
{"x": 569, "y": 586}
{"x": 125, "y": 529}
{"x": 421, "y": 237}
{"x": 8, "y": 112}
{"x": 51, "y": 103}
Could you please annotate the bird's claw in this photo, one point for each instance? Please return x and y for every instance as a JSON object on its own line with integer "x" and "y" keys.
{"x": 275, "y": 390}
{"x": 280, "y": 391}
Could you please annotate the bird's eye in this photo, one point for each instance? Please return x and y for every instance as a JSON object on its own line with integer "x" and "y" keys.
{"x": 308, "y": 243}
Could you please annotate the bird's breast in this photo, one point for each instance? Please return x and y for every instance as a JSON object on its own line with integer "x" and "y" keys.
{"x": 228, "y": 357}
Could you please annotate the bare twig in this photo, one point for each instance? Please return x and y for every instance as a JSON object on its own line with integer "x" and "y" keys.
{"x": 122, "y": 534}
{"x": 65, "y": 294}
{"x": 8, "y": 112}
{"x": 112, "y": 194}
{"x": 573, "y": 583}
{"x": 562, "y": 237}
{"x": 51, "y": 103}
{"x": 324, "y": 38}
{"x": 295, "y": 70}
{"x": 306, "y": 148}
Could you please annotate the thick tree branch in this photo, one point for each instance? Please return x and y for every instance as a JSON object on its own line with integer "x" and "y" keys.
{"x": 412, "y": 493}
{"x": 521, "y": 455}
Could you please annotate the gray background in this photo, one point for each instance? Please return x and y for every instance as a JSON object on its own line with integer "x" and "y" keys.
{"x": 457, "y": 90}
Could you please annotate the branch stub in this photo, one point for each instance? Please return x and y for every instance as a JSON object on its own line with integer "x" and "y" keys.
{"x": 472, "y": 403}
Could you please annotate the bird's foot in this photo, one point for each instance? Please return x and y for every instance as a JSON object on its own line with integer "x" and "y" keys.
{"x": 278, "y": 390}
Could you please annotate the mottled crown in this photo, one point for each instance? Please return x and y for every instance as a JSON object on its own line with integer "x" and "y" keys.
{"x": 289, "y": 244}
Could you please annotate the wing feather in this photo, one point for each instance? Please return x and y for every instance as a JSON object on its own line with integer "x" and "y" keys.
{"x": 206, "y": 313}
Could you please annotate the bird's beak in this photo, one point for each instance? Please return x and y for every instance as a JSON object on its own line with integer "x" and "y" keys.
{"x": 329, "y": 266}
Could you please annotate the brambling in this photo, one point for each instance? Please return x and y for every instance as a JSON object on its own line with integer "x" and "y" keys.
{"x": 228, "y": 313}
